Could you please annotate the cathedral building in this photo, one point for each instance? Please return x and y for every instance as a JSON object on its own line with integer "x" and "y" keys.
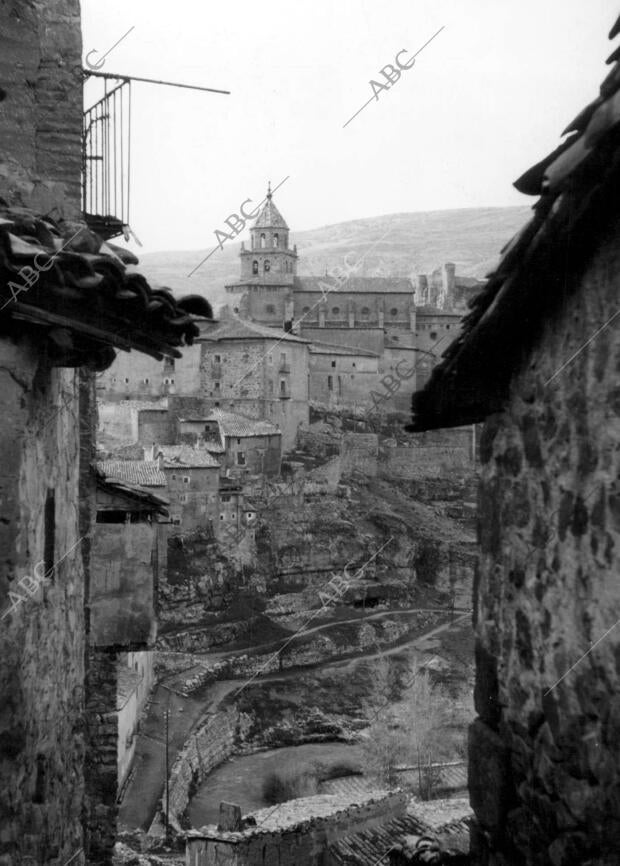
{"x": 386, "y": 318}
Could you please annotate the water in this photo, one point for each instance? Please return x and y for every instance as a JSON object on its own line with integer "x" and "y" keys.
{"x": 240, "y": 780}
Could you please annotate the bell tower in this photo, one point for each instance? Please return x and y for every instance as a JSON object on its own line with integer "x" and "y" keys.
{"x": 270, "y": 260}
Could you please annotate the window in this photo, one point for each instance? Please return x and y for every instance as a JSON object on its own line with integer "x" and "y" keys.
{"x": 176, "y": 521}
{"x": 254, "y": 267}
{"x": 233, "y": 514}
{"x": 217, "y": 358}
{"x": 173, "y": 476}
{"x": 333, "y": 363}
{"x": 282, "y": 387}
{"x": 283, "y": 357}
{"x": 262, "y": 241}
{"x": 186, "y": 479}
{"x": 225, "y": 497}
{"x": 393, "y": 312}
{"x": 306, "y": 310}
{"x": 240, "y": 458}
{"x": 276, "y": 241}
{"x": 270, "y": 309}
{"x": 222, "y": 516}
{"x": 365, "y": 312}
{"x": 336, "y": 311}
{"x": 330, "y": 383}
{"x": 146, "y": 381}
{"x": 266, "y": 266}
{"x": 217, "y": 386}
{"x": 126, "y": 381}
{"x": 183, "y": 497}
{"x": 49, "y": 539}
{"x": 433, "y": 335}
{"x": 238, "y": 441}
{"x": 353, "y": 365}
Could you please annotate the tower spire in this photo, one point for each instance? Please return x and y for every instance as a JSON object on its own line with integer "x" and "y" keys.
{"x": 269, "y": 190}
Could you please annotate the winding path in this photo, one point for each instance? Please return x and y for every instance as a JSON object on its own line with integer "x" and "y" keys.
{"x": 144, "y": 790}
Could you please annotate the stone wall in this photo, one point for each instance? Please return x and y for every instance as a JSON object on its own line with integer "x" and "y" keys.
{"x": 359, "y": 452}
{"x": 101, "y": 760}
{"x": 303, "y": 843}
{"x": 211, "y": 744}
{"x": 41, "y": 113}
{"x": 545, "y": 751}
{"x": 41, "y": 628}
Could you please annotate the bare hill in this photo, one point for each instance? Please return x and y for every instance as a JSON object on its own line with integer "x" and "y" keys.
{"x": 392, "y": 245}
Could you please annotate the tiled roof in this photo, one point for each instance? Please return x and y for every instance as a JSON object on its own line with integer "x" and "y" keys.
{"x": 238, "y": 329}
{"x": 184, "y": 455}
{"x": 238, "y": 425}
{"x": 360, "y": 285}
{"x": 269, "y": 216}
{"x": 371, "y": 847}
{"x": 148, "y": 500}
{"x": 145, "y": 473}
{"x": 60, "y": 281}
{"x": 539, "y": 268}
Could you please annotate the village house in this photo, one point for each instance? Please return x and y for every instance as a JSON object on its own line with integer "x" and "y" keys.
{"x": 192, "y": 478}
{"x": 250, "y": 446}
{"x": 544, "y": 754}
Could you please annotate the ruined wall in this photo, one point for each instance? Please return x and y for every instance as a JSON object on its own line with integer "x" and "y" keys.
{"x": 303, "y": 844}
{"x": 545, "y": 752}
{"x": 359, "y": 451}
{"x": 41, "y": 627}
{"x": 41, "y": 112}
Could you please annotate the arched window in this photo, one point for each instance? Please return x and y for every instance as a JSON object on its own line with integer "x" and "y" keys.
{"x": 262, "y": 241}
{"x": 266, "y": 265}
{"x": 393, "y": 312}
{"x": 254, "y": 267}
{"x": 365, "y": 312}
{"x": 276, "y": 241}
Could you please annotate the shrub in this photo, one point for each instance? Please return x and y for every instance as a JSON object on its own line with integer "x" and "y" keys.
{"x": 282, "y": 785}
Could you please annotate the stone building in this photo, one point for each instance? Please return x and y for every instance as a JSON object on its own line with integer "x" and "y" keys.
{"x": 372, "y": 314}
{"x": 192, "y": 477}
{"x": 250, "y": 446}
{"x": 257, "y": 372}
{"x": 544, "y": 758}
{"x": 65, "y": 306}
{"x": 341, "y": 375}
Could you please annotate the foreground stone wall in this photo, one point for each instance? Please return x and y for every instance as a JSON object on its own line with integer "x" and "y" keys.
{"x": 41, "y": 113}
{"x": 545, "y": 751}
{"x": 41, "y": 626}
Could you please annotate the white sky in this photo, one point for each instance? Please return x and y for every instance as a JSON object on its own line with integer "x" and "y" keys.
{"x": 485, "y": 100}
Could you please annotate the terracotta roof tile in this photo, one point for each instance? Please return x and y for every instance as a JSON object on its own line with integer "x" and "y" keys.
{"x": 232, "y": 424}
{"x": 184, "y": 455}
{"x": 62, "y": 282}
{"x": 145, "y": 473}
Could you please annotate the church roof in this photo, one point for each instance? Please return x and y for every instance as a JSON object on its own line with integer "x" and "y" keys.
{"x": 379, "y": 285}
{"x": 239, "y": 329}
{"x": 269, "y": 216}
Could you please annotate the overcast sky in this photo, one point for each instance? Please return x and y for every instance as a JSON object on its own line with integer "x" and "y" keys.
{"x": 488, "y": 97}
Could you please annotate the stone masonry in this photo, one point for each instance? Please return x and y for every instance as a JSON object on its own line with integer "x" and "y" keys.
{"x": 545, "y": 750}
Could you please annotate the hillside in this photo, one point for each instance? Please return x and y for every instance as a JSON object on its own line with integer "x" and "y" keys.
{"x": 393, "y": 245}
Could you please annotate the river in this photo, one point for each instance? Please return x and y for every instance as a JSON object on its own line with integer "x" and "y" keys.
{"x": 240, "y": 780}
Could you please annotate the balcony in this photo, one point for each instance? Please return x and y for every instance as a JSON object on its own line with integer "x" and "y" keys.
{"x": 284, "y": 367}
{"x": 284, "y": 395}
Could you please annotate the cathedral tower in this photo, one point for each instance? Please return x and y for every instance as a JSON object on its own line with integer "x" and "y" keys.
{"x": 269, "y": 260}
